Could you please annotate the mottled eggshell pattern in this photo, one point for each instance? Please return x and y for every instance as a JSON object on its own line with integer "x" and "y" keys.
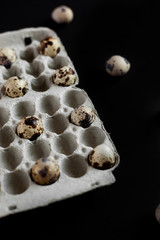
{"x": 54, "y": 123}
{"x": 29, "y": 128}
{"x": 117, "y": 65}
{"x": 7, "y": 57}
{"x": 82, "y": 116}
{"x": 45, "y": 171}
{"x": 50, "y": 46}
{"x": 102, "y": 157}
{"x": 157, "y": 213}
{"x": 15, "y": 87}
{"x": 62, "y": 14}
{"x": 64, "y": 76}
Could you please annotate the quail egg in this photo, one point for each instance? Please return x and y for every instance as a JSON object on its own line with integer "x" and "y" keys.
{"x": 45, "y": 171}
{"x": 62, "y": 14}
{"x": 157, "y": 213}
{"x": 117, "y": 65}
{"x": 64, "y": 76}
{"x": 82, "y": 116}
{"x": 15, "y": 87}
{"x": 50, "y": 46}
{"x": 102, "y": 157}
{"x": 29, "y": 128}
{"x": 7, "y": 57}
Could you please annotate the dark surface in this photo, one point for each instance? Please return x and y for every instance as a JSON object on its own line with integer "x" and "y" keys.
{"x": 129, "y": 106}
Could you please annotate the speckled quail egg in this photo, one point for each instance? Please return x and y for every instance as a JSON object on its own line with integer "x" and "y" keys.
{"x": 82, "y": 116}
{"x": 29, "y": 128}
{"x": 157, "y": 213}
{"x": 62, "y": 14}
{"x": 102, "y": 157}
{"x": 50, "y": 46}
{"x": 7, "y": 57}
{"x": 64, "y": 76}
{"x": 15, "y": 87}
{"x": 117, "y": 65}
{"x": 45, "y": 171}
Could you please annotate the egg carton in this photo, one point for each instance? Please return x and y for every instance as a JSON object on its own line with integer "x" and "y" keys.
{"x": 67, "y": 143}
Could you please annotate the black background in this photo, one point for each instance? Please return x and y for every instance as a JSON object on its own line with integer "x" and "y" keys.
{"x": 129, "y": 106}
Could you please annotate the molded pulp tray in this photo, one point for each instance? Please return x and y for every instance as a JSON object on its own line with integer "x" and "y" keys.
{"x": 69, "y": 144}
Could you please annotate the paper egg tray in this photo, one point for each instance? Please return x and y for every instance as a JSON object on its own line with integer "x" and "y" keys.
{"x": 67, "y": 143}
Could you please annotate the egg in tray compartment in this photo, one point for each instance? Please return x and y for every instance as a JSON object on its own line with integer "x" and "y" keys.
{"x": 53, "y": 145}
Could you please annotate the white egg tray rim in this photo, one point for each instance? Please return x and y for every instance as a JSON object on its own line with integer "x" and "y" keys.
{"x": 26, "y": 151}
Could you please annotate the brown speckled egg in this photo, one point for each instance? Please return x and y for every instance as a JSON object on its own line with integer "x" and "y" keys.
{"x": 62, "y": 14}
{"x": 82, "y": 116}
{"x": 15, "y": 87}
{"x": 50, "y": 46}
{"x": 64, "y": 76}
{"x": 117, "y": 65}
{"x": 102, "y": 157}
{"x": 7, "y": 57}
{"x": 29, "y": 128}
{"x": 45, "y": 171}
